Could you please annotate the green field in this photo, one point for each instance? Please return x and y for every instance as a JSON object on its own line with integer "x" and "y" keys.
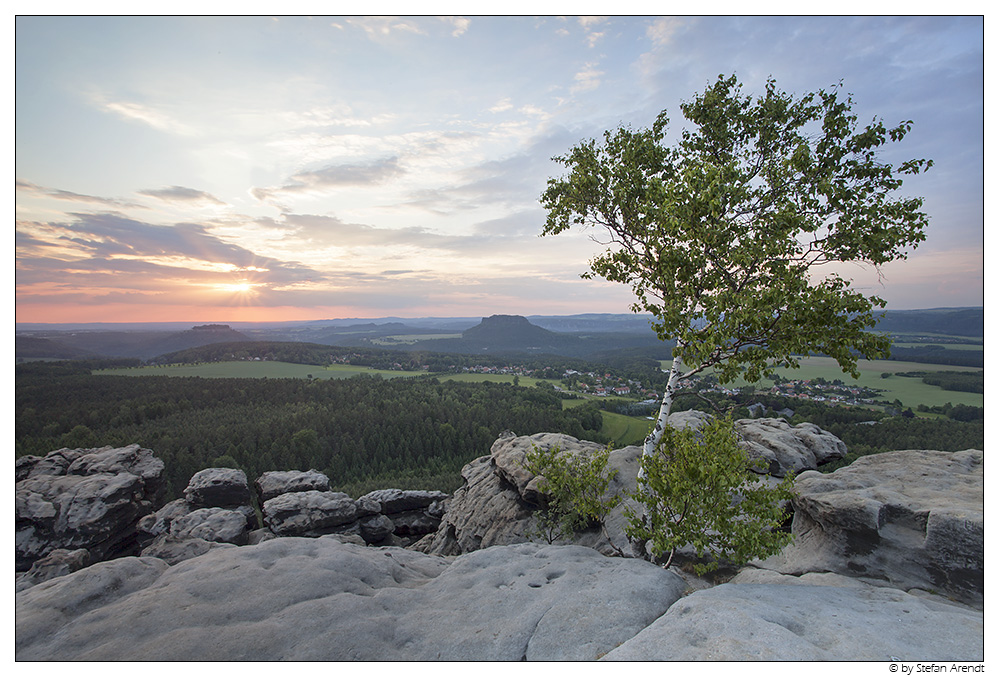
{"x": 526, "y": 381}
{"x": 409, "y": 339}
{"x": 911, "y": 392}
{"x": 260, "y": 369}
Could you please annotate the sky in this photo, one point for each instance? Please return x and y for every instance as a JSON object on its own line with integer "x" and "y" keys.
{"x": 228, "y": 169}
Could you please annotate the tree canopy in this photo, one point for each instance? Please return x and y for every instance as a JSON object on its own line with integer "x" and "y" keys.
{"x": 730, "y": 234}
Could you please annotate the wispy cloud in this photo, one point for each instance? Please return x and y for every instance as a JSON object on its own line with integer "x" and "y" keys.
{"x": 149, "y": 116}
{"x": 181, "y": 194}
{"x": 28, "y": 187}
{"x": 333, "y": 177}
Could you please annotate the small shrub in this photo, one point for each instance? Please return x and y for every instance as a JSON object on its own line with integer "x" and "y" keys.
{"x": 574, "y": 486}
{"x": 697, "y": 490}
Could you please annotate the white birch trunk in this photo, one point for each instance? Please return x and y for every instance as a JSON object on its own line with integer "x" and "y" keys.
{"x": 652, "y": 441}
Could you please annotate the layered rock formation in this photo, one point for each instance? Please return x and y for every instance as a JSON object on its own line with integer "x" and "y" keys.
{"x": 912, "y": 518}
{"x": 89, "y": 499}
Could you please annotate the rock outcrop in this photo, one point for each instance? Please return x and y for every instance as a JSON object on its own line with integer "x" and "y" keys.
{"x": 912, "y": 518}
{"x": 496, "y": 504}
{"x": 83, "y": 498}
{"x": 216, "y": 509}
{"x": 320, "y": 599}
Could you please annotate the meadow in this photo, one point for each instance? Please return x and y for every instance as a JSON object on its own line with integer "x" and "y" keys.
{"x": 911, "y": 392}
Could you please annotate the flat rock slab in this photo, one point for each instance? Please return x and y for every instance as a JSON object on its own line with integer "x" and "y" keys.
{"x": 743, "y": 622}
{"x": 320, "y": 599}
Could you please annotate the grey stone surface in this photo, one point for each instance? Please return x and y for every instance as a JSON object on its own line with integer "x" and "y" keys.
{"x": 746, "y": 622}
{"x": 783, "y": 449}
{"x": 912, "y": 518}
{"x": 96, "y": 512}
{"x": 320, "y": 599}
{"x": 277, "y": 482}
{"x": 212, "y": 524}
{"x": 83, "y": 498}
{"x": 217, "y": 488}
{"x": 57, "y": 563}
{"x": 308, "y": 512}
{"x": 390, "y": 501}
{"x": 173, "y": 549}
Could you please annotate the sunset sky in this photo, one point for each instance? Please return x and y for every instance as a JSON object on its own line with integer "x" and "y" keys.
{"x": 293, "y": 168}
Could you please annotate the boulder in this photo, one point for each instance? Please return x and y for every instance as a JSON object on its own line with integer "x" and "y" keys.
{"x": 389, "y": 501}
{"x": 767, "y": 622}
{"x": 218, "y": 488}
{"x": 509, "y": 453}
{"x": 53, "y": 463}
{"x": 912, "y": 518}
{"x": 83, "y": 498}
{"x": 212, "y": 524}
{"x": 309, "y": 513}
{"x": 277, "y": 482}
{"x": 781, "y": 449}
{"x": 302, "y": 599}
{"x": 132, "y": 459}
{"x": 159, "y": 522}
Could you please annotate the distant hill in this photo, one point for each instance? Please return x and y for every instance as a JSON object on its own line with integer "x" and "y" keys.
{"x": 140, "y": 344}
{"x": 33, "y": 348}
{"x": 951, "y": 321}
{"x": 510, "y": 332}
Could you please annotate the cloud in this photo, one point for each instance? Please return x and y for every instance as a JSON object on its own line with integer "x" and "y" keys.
{"x": 156, "y": 119}
{"x": 181, "y": 194}
{"x": 587, "y": 79}
{"x": 93, "y": 243}
{"x": 332, "y": 177}
{"x": 28, "y": 187}
{"x": 460, "y": 24}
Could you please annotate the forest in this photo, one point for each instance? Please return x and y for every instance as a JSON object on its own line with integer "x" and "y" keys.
{"x": 363, "y": 432}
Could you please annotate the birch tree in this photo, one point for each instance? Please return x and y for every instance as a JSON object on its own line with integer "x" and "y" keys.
{"x": 729, "y": 235}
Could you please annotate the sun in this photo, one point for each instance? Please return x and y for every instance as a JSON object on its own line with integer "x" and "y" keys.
{"x": 236, "y": 287}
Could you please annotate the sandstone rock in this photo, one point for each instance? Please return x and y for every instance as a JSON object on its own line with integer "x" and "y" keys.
{"x": 913, "y": 518}
{"x": 391, "y": 501}
{"x": 218, "y": 488}
{"x": 159, "y": 522}
{"x": 277, "y": 482}
{"x": 174, "y": 549}
{"x": 46, "y": 608}
{"x": 323, "y": 600}
{"x": 212, "y": 524}
{"x": 96, "y": 512}
{"x": 375, "y": 528}
{"x": 740, "y": 622}
{"x": 57, "y": 563}
{"x": 413, "y": 523}
{"x": 485, "y": 511}
{"x": 509, "y": 453}
{"x": 131, "y": 459}
{"x": 783, "y": 449}
{"x": 53, "y": 463}
{"x": 308, "y": 512}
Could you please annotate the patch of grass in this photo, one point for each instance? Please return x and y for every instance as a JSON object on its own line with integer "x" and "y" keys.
{"x": 624, "y": 430}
